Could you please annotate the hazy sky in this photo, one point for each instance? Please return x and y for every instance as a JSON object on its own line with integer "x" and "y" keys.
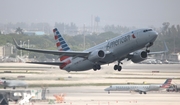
{"x": 138, "y": 13}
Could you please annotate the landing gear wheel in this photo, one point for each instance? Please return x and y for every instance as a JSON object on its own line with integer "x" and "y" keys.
{"x": 144, "y": 92}
{"x": 119, "y": 68}
{"x": 96, "y": 67}
{"x": 108, "y": 92}
{"x": 148, "y": 51}
{"x": 115, "y": 67}
{"x": 140, "y": 92}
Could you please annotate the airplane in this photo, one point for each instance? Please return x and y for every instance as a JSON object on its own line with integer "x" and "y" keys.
{"x": 139, "y": 88}
{"x": 13, "y": 83}
{"x": 127, "y": 46}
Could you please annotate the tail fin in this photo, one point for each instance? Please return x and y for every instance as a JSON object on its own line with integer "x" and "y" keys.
{"x": 60, "y": 43}
{"x": 1, "y": 82}
{"x": 167, "y": 83}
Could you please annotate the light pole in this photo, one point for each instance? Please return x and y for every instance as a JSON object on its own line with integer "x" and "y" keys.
{"x": 21, "y": 46}
{"x": 28, "y": 47}
{"x": 84, "y": 37}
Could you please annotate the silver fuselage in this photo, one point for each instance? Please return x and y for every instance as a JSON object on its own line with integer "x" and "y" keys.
{"x": 117, "y": 48}
{"x": 135, "y": 88}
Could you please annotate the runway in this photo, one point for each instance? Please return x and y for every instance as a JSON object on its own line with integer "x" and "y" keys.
{"x": 94, "y": 95}
{"x": 87, "y": 88}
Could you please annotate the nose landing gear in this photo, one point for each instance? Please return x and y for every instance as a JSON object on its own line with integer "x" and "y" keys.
{"x": 148, "y": 45}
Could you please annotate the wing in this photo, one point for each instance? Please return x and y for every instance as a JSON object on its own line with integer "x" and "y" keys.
{"x": 131, "y": 55}
{"x": 60, "y": 53}
{"x": 140, "y": 89}
{"x": 48, "y": 63}
{"x": 160, "y": 52}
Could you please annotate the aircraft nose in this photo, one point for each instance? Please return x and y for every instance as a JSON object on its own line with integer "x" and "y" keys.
{"x": 155, "y": 34}
{"x": 106, "y": 89}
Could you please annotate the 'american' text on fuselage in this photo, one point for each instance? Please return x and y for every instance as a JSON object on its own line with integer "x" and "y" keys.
{"x": 118, "y": 41}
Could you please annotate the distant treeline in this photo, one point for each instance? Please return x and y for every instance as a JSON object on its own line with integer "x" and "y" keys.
{"x": 169, "y": 34}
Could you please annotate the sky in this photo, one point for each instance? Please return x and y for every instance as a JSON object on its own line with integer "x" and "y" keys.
{"x": 138, "y": 13}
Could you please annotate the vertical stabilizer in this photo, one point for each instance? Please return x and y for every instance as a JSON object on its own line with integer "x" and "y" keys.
{"x": 167, "y": 83}
{"x": 60, "y": 43}
{"x": 61, "y": 46}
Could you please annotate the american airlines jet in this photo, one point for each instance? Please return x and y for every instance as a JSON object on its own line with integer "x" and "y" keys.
{"x": 139, "y": 88}
{"x": 122, "y": 47}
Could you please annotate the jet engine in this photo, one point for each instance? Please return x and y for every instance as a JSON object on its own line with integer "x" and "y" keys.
{"x": 96, "y": 55}
{"x": 4, "y": 82}
{"x": 139, "y": 56}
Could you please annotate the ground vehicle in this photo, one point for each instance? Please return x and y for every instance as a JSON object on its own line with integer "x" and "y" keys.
{"x": 173, "y": 88}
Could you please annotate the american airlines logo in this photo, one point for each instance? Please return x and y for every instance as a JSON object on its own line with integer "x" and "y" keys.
{"x": 167, "y": 83}
{"x": 118, "y": 41}
{"x": 133, "y": 36}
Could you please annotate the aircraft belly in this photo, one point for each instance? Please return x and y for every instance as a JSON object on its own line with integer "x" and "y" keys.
{"x": 127, "y": 48}
{"x": 81, "y": 66}
{"x": 108, "y": 59}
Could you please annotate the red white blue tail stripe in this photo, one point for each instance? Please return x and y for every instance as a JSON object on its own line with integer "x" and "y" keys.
{"x": 167, "y": 83}
{"x": 60, "y": 42}
{"x": 62, "y": 46}
{"x": 1, "y": 82}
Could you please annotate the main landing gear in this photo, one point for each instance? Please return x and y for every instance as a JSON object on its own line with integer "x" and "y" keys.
{"x": 118, "y": 67}
{"x": 96, "y": 67}
{"x": 140, "y": 92}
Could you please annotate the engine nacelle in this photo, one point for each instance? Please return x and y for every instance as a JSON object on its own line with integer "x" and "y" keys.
{"x": 96, "y": 55}
{"x": 139, "y": 56}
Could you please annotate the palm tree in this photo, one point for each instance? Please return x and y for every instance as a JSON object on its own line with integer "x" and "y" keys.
{"x": 19, "y": 30}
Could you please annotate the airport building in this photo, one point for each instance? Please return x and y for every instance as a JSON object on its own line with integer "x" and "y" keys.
{"x": 34, "y": 33}
{"x": 174, "y": 57}
{"x": 6, "y": 50}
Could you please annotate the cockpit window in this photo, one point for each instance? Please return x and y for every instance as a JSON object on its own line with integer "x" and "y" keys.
{"x": 147, "y": 30}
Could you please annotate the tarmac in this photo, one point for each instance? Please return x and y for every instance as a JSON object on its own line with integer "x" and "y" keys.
{"x": 80, "y": 93}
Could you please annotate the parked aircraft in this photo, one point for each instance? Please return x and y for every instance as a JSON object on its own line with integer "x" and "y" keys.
{"x": 12, "y": 83}
{"x": 139, "y": 88}
{"x": 122, "y": 47}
